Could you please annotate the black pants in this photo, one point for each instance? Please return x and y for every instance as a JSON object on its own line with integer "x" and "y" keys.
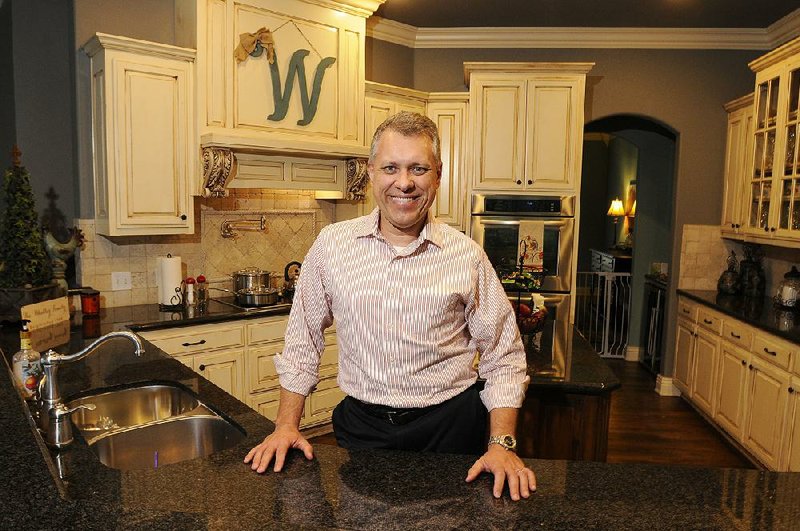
{"x": 457, "y": 426}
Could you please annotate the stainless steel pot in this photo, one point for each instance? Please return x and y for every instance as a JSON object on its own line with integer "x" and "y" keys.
{"x": 250, "y": 278}
{"x": 257, "y": 297}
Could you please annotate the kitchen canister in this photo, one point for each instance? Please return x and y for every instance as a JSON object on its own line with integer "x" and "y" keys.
{"x": 788, "y": 289}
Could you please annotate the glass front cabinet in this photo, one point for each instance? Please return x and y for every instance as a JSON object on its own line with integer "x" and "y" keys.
{"x": 773, "y": 175}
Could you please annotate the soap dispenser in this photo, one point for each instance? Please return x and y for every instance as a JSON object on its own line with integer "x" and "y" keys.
{"x": 27, "y": 365}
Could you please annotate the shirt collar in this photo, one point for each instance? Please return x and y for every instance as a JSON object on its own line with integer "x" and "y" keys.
{"x": 431, "y": 231}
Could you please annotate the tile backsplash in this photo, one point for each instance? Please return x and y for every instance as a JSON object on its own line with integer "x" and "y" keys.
{"x": 293, "y": 220}
{"x": 704, "y": 256}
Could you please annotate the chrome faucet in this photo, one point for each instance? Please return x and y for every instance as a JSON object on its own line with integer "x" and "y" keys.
{"x": 51, "y": 404}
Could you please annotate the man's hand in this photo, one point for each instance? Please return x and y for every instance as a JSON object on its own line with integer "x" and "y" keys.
{"x": 276, "y": 445}
{"x": 506, "y": 466}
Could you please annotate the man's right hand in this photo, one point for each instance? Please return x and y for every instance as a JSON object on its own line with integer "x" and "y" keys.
{"x": 276, "y": 445}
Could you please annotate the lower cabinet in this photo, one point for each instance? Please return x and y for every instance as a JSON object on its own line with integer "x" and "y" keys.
{"x": 238, "y": 357}
{"x": 763, "y": 430}
{"x": 741, "y": 377}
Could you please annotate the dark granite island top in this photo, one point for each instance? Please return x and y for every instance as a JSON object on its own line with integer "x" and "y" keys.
{"x": 346, "y": 490}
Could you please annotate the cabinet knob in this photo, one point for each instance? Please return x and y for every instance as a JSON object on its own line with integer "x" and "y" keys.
{"x": 519, "y": 181}
{"x": 530, "y": 181}
{"x": 750, "y": 366}
{"x": 183, "y": 217}
{"x": 772, "y": 229}
{"x": 706, "y": 321}
{"x": 202, "y": 367}
{"x": 744, "y": 363}
{"x": 766, "y": 229}
{"x": 733, "y": 225}
{"x": 791, "y": 390}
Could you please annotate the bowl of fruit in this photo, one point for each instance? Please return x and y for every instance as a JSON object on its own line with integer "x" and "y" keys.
{"x": 530, "y": 320}
{"x": 525, "y": 280}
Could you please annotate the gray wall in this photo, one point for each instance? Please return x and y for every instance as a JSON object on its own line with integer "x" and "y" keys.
{"x": 684, "y": 89}
{"x": 389, "y": 63}
{"x": 38, "y": 82}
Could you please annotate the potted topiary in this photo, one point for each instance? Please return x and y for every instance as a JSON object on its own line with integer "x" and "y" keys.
{"x": 25, "y": 273}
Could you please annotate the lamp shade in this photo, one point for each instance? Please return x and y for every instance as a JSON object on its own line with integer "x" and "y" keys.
{"x": 616, "y": 209}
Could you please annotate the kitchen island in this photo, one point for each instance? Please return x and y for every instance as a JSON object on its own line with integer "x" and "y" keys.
{"x": 342, "y": 489}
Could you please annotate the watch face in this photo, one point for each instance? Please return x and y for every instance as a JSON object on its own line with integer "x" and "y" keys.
{"x": 509, "y": 441}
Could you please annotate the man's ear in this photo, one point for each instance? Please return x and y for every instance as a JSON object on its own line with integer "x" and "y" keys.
{"x": 370, "y": 171}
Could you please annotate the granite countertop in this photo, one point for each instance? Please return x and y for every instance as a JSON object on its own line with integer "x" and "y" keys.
{"x": 342, "y": 489}
{"x": 759, "y": 312}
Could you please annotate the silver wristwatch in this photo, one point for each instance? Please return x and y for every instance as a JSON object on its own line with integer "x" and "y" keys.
{"x": 506, "y": 441}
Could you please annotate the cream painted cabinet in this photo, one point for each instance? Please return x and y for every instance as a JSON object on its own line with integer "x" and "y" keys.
{"x": 773, "y": 174}
{"x": 382, "y": 101}
{"x": 730, "y": 397}
{"x": 526, "y": 123}
{"x": 767, "y": 394}
{"x": 791, "y": 454}
{"x": 144, "y": 139}
{"x": 703, "y": 383}
{"x": 224, "y": 369}
{"x": 449, "y": 112}
{"x": 738, "y": 152}
{"x": 684, "y": 356}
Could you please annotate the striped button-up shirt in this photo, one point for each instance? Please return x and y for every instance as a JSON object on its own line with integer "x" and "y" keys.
{"x": 408, "y": 323}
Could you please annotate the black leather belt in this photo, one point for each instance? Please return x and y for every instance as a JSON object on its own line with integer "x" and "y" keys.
{"x": 397, "y": 416}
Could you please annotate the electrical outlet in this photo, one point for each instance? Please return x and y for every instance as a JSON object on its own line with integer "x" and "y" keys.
{"x": 120, "y": 280}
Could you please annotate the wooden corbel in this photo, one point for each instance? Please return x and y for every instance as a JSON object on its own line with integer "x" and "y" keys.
{"x": 219, "y": 166}
{"x": 357, "y": 179}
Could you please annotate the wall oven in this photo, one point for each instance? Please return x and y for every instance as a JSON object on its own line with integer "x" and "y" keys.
{"x": 495, "y": 225}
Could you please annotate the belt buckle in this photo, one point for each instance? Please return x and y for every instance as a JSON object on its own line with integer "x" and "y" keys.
{"x": 391, "y": 415}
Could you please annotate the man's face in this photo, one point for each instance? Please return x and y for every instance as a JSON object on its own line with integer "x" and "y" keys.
{"x": 405, "y": 178}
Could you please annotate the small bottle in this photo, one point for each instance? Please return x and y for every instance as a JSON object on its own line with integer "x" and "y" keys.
{"x": 202, "y": 290}
{"x": 27, "y": 365}
{"x": 190, "y": 291}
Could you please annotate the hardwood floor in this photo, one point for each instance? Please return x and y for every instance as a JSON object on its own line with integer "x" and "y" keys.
{"x": 648, "y": 428}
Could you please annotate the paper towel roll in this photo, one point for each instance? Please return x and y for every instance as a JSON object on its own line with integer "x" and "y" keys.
{"x": 169, "y": 270}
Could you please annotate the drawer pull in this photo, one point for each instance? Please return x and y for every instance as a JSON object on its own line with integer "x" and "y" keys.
{"x": 201, "y": 342}
{"x": 770, "y": 352}
{"x": 706, "y": 321}
{"x": 734, "y": 335}
{"x": 202, "y": 367}
{"x": 685, "y": 310}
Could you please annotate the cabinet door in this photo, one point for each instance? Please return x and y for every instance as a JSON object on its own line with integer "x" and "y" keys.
{"x": 144, "y": 141}
{"x": 768, "y": 390}
{"x": 377, "y": 111}
{"x": 261, "y": 371}
{"x": 266, "y": 403}
{"x": 737, "y": 157}
{"x": 791, "y": 460}
{"x": 787, "y": 169}
{"x": 706, "y": 352}
{"x": 452, "y": 195}
{"x": 498, "y": 139}
{"x": 320, "y": 403}
{"x": 554, "y": 134}
{"x": 731, "y": 388}
{"x": 224, "y": 369}
{"x": 684, "y": 356}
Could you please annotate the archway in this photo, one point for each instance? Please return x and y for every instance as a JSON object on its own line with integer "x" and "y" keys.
{"x": 631, "y": 158}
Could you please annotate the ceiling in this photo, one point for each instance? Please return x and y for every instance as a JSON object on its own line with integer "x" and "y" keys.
{"x": 588, "y": 13}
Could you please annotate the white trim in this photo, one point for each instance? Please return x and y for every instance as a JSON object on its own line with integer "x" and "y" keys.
{"x": 666, "y": 387}
{"x": 104, "y": 41}
{"x": 546, "y": 37}
{"x": 632, "y": 353}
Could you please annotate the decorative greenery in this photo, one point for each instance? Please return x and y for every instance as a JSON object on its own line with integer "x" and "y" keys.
{"x": 23, "y": 260}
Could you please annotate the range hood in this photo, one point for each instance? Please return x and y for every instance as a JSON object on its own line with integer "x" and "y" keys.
{"x": 280, "y": 93}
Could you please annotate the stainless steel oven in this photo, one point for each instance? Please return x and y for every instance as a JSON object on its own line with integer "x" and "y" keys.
{"x": 495, "y": 221}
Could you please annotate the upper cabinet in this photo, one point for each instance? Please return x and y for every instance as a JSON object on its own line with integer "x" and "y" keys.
{"x": 143, "y": 134}
{"x": 738, "y": 151}
{"x": 526, "y": 125}
{"x": 772, "y": 211}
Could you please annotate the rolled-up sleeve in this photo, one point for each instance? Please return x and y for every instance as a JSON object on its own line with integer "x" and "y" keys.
{"x": 493, "y": 327}
{"x": 298, "y": 364}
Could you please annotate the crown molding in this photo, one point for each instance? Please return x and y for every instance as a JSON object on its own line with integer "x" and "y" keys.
{"x": 104, "y": 41}
{"x": 545, "y": 37}
{"x": 361, "y": 8}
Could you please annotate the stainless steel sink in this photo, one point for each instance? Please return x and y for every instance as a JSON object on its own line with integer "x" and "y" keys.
{"x": 151, "y": 425}
{"x": 132, "y": 407}
{"x": 166, "y": 442}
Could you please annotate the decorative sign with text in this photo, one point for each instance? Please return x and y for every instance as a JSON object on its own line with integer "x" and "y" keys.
{"x": 47, "y": 313}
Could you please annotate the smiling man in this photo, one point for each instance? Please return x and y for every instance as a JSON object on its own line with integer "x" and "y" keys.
{"x": 414, "y": 300}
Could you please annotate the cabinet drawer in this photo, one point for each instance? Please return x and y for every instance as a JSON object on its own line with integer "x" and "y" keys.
{"x": 268, "y": 330}
{"x": 199, "y": 340}
{"x": 737, "y": 333}
{"x": 709, "y": 320}
{"x": 687, "y": 310}
{"x": 773, "y": 350}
